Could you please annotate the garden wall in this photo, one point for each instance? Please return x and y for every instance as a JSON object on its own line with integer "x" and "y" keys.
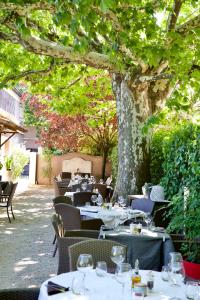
{"x": 56, "y": 164}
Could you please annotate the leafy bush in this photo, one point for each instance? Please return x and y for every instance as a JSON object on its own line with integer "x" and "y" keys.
{"x": 157, "y": 156}
{"x": 181, "y": 180}
{"x": 16, "y": 162}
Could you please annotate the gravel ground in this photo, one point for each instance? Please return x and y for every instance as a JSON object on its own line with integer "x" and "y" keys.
{"x": 26, "y": 244}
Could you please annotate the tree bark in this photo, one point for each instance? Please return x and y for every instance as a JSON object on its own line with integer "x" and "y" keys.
{"x": 133, "y": 108}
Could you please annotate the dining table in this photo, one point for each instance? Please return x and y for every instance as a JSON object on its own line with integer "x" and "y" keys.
{"x": 152, "y": 246}
{"x": 108, "y": 287}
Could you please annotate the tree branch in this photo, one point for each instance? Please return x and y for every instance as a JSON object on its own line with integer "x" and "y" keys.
{"x": 189, "y": 25}
{"x": 142, "y": 79}
{"x": 27, "y": 73}
{"x": 24, "y": 9}
{"x": 173, "y": 16}
{"x": 39, "y": 46}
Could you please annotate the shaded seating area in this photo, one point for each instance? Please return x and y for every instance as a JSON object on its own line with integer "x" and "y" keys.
{"x": 6, "y": 198}
{"x": 81, "y": 198}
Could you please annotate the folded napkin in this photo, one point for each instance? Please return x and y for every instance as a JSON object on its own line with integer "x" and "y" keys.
{"x": 54, "y": 288}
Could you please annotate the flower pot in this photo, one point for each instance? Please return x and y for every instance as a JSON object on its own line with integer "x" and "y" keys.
{"x": 192, "y": 270}
{"x": 7, "y": 175}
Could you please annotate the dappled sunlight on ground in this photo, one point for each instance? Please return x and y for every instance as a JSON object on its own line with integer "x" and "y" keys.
{"x": 26, "y": 244}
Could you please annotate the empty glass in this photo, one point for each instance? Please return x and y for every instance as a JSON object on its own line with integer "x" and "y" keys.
{"x": 94, "y": 199}
{"x": 148, "y": 220}
{"x": 165, "y": 273}
{"x": 101, "y": 268}
{"x": 191, "y": 289}
{"x": 84, "y": 264}
{"x": 123, "y": 276}
{"x": 176, "y": 269}
{"x": 122, "y": 201}
{"x": 118, "y": 254}
{"x": 99, "y": 200}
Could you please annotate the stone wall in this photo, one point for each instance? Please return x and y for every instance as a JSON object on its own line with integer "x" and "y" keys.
{"x": 57, "y": 162}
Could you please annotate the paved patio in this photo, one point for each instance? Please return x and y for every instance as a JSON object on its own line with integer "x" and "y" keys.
{"x": 26, "y": 244}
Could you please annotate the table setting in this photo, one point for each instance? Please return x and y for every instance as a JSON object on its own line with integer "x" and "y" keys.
{"x": 88, "y": 283}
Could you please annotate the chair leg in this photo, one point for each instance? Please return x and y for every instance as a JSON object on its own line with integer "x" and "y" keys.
{"x": 54, "y": 240}
{"x": 55, "y": 250}
{"x": 8, "y": 215}
{"x": 12, "y": 212}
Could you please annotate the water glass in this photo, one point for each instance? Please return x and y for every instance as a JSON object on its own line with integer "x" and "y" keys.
{"x": 118, "y": 254}
{"x": 191, "y": 289}
{"x": 101, "y": 268}
{"x": 165, "y": 273}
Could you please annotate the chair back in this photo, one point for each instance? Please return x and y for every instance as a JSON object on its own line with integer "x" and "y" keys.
{"x": 99, "y": 249}
{"x": 61, "y": 187}
{"x": 160, "y": 217}
{"x": 65, "y": 175}
{"x": 70, "y": 216}
{"x": 63, "y": 255}
{"x": 101, "y": 188}
{"x": 7, "y": 188}
{"x": 57, "y": 225}
{"x": 20, "y": 294}
{"x": 81, "y": 198}
{"x": 13, "y": 189}
{"x": 62, "y": 199}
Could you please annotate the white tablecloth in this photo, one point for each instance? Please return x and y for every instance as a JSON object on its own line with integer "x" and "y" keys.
{"x": 107, "y": 288}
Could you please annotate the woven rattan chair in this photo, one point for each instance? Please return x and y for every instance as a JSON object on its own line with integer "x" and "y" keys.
{"x": 20, "y": 294}
{"x": 99, "y": 249}
{"x": 71, "y": 237}
{"x": 81, "y": 198}
{"x": 102, "y": 188}
{"x": 70, "y": 216}
{"x": 62, "y": 199}
{"x": 8, "y": 201}
{"x": 58, "y": 228}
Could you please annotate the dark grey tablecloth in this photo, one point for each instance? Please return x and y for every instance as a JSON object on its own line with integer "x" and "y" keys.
{"x": 152, "y": 250}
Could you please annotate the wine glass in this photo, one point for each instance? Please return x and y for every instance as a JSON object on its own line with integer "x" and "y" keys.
{"x": 176, "y": 269}
{"x": 148, "y": 219}
{"x": 94, "y": 199}
{"x": 84, "y": 186}
{"x": 101, "y": 181}
{"x": 123, "y": 276}
{"x": 99, "y": 200}
{"x": 84, "y": 264}
{"x": 118, "y": 254}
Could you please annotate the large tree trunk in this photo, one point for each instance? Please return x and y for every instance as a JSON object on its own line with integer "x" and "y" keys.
{"x": 133, "y": 148}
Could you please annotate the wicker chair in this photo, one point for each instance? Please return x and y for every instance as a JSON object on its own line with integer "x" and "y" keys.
{"x": 71, "y": 218}
{"x": 81, "y": 198}
{"x": 62, "y": 199}
{"x": 160, "y": 217}
{"x": 99, "y": 249}
{"x": 20, "y": 294}
{"x": 102, "y": 188}
{"x": 58, "y": 228}
{"x": 71, "y": 237}
{"x": 7, "y": 200}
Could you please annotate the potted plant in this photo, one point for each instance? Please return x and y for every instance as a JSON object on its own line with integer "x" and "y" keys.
{"x": 14, "y": 164}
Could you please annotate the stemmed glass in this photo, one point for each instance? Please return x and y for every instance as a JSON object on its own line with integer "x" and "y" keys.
{"x": 123, "y": 275}
{"x": 99, "y": 200}
{"x": 177, "y": 272}
{"x": 84, "y": 264}
{"x": 118, "y": 254}
{"x": 94, "y": 199}
{"x": 148, "y": 219}
{"x": 121, "y": 201}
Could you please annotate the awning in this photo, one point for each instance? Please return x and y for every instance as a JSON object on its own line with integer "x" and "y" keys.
{"x": 8, "y": 126}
